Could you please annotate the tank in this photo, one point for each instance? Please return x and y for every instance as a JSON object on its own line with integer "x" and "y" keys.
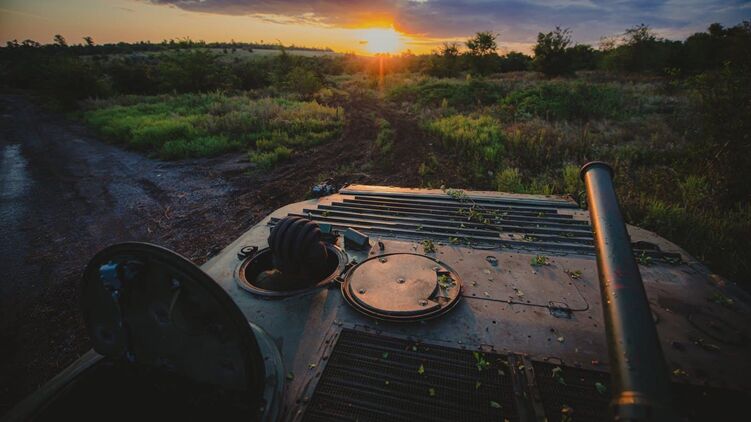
{"x": 384, "y": 303}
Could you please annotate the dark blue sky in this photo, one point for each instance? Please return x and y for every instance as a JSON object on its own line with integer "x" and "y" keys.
{"x": 516, "y": 21}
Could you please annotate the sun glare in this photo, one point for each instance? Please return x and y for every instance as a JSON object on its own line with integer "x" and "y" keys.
{"x": 381, "y": 40}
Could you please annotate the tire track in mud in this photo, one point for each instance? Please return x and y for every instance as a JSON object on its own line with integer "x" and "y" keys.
{"x": 80, "y": 195}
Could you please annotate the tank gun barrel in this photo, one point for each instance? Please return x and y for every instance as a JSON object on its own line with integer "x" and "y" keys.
{"x": 641, "y": 383}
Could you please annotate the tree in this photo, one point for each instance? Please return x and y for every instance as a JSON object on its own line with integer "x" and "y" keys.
{"x": 639, "y": 35}
{"x": 515, "y": 62}
{"x": 641, "y": 51}
{"x": 482, "y": 44}
{"x": 583, "y": 56}
{"x": 30, "y": 43}
{"x": 482, "y": 51}
{"x": 551, "y": 55}
{"x": 89, "y": 41}
{"x": 446, "y": 61}
{"x": 60, "y": 41}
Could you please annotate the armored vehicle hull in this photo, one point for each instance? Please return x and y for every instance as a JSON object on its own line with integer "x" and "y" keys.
{"x": 458, "y": 305}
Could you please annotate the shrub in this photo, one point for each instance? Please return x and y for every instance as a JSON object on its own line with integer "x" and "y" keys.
{"x": 515, "y": 62}
{"x": 479, "y": 139}
{"x": 509, "y": 180}
{"x": 455, "y": 93}
{"x": 194, "y": 70}
{"x": 268, "y": 159}
{"x": 719, "y": 237}
{"x": 385, "y": 139}
{"x": 303, "y": 82}
{"x": 572, "y": 183}
{"x": 567, "y": 101}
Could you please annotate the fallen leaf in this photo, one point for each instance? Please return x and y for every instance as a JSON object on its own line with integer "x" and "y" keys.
{"x": 431, "y": 391}
{"x": 421, "y": 370}
{"x": 495, "y": 404}
{"x": 477, "y": 385}
{"x": 680, "y": 373}
{"x": 385, "y": 355}
{"x": 601, "y": 388}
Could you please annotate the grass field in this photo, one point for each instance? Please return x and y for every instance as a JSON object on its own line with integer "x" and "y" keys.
{"x": 516, "y": 133}
{"x": 199, "y": 125}
{"x": 675, "y": 127}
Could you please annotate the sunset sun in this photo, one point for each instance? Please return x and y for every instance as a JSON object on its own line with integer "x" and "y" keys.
{"x": 381, "y": 40}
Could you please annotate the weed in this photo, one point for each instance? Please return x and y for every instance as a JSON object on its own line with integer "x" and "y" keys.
{"x": 540, "y": 260}
{"x": 644, "y": 259}
{"x": 385, "y": 138}
{"x": 509, "y": 180}
{"x": 269, "y": 159}
{"x": 428, "y": 246}
{"x": 721, "y": 299}
{"x": 575, "y": 274}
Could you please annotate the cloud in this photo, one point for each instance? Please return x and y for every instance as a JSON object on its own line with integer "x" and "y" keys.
{"x": 515, "y": 20}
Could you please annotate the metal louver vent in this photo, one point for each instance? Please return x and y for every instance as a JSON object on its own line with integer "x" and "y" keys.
{"x": 371, "y": 377}
{"x": 525, "y": 224}
{"x": 512, "y": 222}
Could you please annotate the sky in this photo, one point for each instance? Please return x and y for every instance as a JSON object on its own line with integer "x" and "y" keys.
{"x": 360, "y": 26}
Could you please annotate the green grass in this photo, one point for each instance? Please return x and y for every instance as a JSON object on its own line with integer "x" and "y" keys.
{"x": 477, "y": 138}
{"x": 202, "y": 125}
{"x": 456, "y": 93}
{"x": 515, "y": 134}
{"x": 563, "y": 100}
{"x": 385, "y": 138}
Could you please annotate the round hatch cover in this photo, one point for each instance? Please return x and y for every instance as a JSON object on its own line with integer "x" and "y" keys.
{"x": 402, "y": 287}
{"x": 153, "y": 308}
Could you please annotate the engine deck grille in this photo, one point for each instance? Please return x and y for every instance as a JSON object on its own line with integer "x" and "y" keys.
{"x": 531, "y": 224}
{"x": 372, "y": 377}
{"x": 574, "y": 388}
{"x": 690, "y": 402}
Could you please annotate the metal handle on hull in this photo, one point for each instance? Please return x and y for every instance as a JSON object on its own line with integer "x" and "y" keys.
{"x": 641, "y": 382}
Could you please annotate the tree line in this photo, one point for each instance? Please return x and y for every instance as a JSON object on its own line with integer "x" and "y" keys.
{"x": 637, "y": 50}
{"x": 69, "y": 73}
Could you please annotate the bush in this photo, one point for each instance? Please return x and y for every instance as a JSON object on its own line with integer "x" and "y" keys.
{"x": 509, "y": 180}
{"x": 194, "y": 70}
{"x": 718, "y": 237}
{"x": 385, "y": 139}
{"x": 567, "y": 101}
{"x": 479, "y": 139}
{"x": 456, "y": 93}
{"x": 303, "y": 82}
{"x": 515, "y": 62}
{"x": 572, "y": 183}
{"x": 268, "y": 159}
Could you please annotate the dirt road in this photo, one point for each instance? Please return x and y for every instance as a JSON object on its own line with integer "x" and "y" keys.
{"x": 65, "y": 195}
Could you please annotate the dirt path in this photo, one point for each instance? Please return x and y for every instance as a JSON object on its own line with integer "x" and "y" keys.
{"x": 64, "y": 195}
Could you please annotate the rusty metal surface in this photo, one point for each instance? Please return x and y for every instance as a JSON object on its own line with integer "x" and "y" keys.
{"x": 549, "y": 312}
